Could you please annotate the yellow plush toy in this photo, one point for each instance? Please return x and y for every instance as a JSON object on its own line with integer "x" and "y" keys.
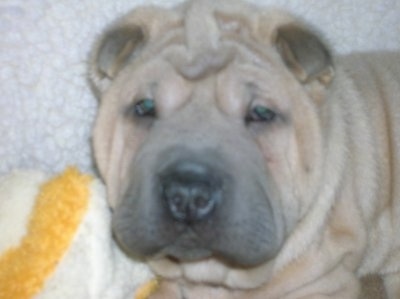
{"x": 56, "y": 241}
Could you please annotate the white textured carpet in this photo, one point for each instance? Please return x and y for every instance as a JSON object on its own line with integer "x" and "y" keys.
{"x": 46, "y": 107}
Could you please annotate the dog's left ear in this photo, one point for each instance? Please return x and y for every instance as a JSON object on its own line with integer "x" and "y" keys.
{"x": 304, "y": 54}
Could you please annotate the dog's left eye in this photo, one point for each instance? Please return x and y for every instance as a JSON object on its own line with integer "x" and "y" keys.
{"x": 260, "y": 114}
{"x": 145, "y": 108}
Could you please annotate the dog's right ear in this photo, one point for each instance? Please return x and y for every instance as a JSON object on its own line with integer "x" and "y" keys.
{"x": 112, "y": 52}
{"x": 126, "y": 39}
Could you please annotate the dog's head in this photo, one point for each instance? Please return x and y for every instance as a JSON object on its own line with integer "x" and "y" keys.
{"x": 207, "y": 135}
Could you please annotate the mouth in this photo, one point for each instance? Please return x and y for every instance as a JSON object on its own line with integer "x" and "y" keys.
{"x": 211, "y": 272}
{"x": 208, "y": 271}
{"x": 186, "y": 248}
{"x": 189, "y": 247}
{"x": 227, "y": 238}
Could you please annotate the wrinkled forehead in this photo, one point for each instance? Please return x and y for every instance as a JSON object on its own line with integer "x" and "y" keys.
{"x": 209, "y": 36}
{"x": 201, "y": 28}
{"x": 206, "y": 21}
{"x": 203, "y": 49}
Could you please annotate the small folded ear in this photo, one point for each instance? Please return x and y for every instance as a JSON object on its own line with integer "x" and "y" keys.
{"x": 113, "y": 51}
{"x": 304, "y": 54}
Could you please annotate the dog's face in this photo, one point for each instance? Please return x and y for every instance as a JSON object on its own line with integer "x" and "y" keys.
{"x": 207, "y": 136}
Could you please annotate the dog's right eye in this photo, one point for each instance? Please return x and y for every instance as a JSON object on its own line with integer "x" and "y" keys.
{"x": 145, "y": 108}
{"x": 260, "y": 114}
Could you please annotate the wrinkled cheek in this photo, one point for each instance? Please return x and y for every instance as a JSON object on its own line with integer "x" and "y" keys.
{"x": 127, "y": 157}
{"x": 281, "y": 158}
{"x": 126, "y": 142}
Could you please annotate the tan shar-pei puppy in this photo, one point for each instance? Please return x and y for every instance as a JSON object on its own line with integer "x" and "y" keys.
{"x": 242, "y": 160}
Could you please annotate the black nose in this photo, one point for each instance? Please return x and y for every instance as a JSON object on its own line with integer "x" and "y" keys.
{"x": 191, "y": 191}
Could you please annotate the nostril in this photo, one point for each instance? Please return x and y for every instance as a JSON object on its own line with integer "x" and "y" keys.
{"x": 190, "y": 190}
{"x": 176, "y": 198}
{"x": 202, "y": 201}
{"x": 189, "y": 200}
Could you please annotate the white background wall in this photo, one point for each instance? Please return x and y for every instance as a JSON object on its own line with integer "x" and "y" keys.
{"x": 46, "y": 107}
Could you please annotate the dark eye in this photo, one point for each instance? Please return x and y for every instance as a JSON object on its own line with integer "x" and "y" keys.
{"x": 145, "y": 108}
{"x": 260, "y": 114}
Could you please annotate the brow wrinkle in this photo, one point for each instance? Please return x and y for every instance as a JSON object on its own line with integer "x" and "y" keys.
{"x": 204, "y": 64}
